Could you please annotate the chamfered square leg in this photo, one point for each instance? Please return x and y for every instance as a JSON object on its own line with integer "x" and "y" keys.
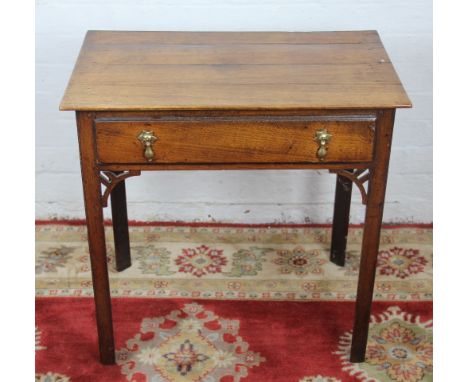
{"x": 96, "y": 239}
{"x": 340, "y": 220}
{"x": 120, "y": 226}
{"x": 371, "y": 235}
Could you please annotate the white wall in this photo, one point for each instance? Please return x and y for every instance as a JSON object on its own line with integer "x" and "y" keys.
{"x": 258, "y": 196}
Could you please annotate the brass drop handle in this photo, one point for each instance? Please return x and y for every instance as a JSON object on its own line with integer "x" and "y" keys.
{"x": 323, "y": 137}
{"x": 147, "y": 138}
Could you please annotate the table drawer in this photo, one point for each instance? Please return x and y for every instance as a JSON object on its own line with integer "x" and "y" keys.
{"x": 272, "y": 140}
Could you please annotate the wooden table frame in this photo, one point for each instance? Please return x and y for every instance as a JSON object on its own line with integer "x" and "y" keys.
{"x": 233, "y": 100}
{"x": 94, "y": 175}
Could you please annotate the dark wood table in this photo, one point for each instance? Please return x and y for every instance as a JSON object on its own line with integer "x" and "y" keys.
{"x": 152, "y": 101}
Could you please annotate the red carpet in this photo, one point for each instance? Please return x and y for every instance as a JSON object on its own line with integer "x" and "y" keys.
{"x": 230, "y": 341}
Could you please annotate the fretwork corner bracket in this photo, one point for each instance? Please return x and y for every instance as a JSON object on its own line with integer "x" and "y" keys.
{"x": 110, "y": 179}
{"x": 358, "y": 177}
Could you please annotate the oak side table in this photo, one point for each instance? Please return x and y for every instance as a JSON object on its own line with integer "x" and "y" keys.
{"x": 153, "y": 101}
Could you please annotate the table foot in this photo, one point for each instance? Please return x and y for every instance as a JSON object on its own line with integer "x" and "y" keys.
{"x": 107, "y": 357}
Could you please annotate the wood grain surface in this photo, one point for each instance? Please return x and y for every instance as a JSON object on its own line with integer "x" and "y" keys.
{"x": 232, "y": 71}
{"x": 235, "y": 141}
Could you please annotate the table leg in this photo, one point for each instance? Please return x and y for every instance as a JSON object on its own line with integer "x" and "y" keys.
{"x": 341, "y": 209}
{"x": 120, "y": 226}
{"x": 96, "y": 238}
{"x": 371, "y": 235}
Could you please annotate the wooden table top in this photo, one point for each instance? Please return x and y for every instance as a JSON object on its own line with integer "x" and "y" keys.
{"x": 119, "y": 70}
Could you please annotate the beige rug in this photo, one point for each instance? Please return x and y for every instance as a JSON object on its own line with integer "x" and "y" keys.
{"x": 236, "y": 263}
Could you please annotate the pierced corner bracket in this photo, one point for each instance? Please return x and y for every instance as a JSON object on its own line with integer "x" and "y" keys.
{"x": 358, "y": 177}
{"x": 111, "y": 179}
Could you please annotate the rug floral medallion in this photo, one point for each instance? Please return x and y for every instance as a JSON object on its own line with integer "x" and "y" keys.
{"x": 399, "y": 349}
{"x": 191, "y": 344}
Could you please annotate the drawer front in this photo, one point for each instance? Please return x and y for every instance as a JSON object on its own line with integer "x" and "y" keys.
{"x": 233, "y": 141}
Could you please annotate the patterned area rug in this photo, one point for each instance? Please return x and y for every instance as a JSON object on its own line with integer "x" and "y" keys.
{"x": 211, "y": 304}
{"x": 236, "y": 263}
